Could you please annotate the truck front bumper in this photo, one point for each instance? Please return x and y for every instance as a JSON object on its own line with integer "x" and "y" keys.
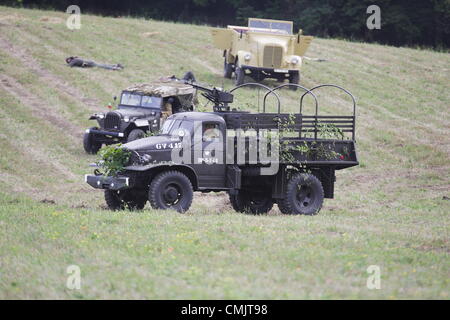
{"x": 105, "y": 133}
{"x": 270, "y": 70}
{"x": 109, "y": 183}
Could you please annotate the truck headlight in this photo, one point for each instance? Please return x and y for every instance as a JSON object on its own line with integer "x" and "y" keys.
{"x": 146, "y": 158}
{"x": 247, "y": 56}
{"x": 100, "y": 115}
{"x": 126, "y": 119}
{"x": 295, "y": 60}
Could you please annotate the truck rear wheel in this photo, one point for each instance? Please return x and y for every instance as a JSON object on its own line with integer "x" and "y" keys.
{"x": 125, "y": 199}
{"x": 89, "y": 143}
{"x": 171, "y": 190}
{"x": 303, "y": 195}
{"x": 135, "y": 134}
{"x": 251, "y": 202}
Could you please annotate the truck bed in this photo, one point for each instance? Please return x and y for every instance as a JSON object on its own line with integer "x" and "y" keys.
{"x": 300, "y": 137}
{"x": 320, "y": 152}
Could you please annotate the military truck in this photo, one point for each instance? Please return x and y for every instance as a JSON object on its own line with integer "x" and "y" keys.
{"x": 142, "y": 109}
{"x": 298, "y": 179}
{"x": 264, "y": 49}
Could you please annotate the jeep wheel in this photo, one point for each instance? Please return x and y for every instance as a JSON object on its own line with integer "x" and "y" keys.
{"x": 89, "y": 143}
{"x": 135, "y": 134}
{"x": 171, "y": 190}
{"x": 295, "y": 79}
{"x": 303, "y": 195}
{"x": 227, "y": 69}
{"x": 239, "y": 76}
{"x": 251, "y": 202}
{"x": 130, "y": 199}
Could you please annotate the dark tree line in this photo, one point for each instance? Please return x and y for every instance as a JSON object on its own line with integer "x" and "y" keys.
{"x": 403, "y": 22}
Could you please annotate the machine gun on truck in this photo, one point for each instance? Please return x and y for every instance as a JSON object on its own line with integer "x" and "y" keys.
{"x": 207, "y": 151}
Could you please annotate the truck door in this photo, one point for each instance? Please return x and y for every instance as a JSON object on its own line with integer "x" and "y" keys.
{"x": 209, "y": 157}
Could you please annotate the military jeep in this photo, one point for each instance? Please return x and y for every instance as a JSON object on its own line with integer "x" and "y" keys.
{"x": 142, "y": 109}
{"x": 264, "y": 49}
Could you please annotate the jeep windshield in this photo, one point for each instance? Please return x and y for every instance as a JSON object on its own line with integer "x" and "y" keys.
{"x": 269, "y": 26}
{"x": 137, "y": 100}
{"x": 178, "y": 127}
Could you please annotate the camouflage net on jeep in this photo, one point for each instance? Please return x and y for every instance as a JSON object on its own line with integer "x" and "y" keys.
{"x": 163, "y": 88}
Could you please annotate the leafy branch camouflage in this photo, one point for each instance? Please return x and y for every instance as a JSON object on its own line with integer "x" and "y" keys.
{"x": 314, "y": 148}
{"x": 113, "y": 159}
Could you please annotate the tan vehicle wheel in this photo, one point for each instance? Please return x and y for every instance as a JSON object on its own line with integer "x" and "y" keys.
{"x": 239, "y": 76}
{"x": 227, "y": 69}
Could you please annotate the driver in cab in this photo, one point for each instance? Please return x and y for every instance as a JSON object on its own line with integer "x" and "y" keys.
{"x": 211, "y": 132}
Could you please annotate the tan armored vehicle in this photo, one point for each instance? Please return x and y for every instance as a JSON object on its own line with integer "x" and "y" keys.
{"x": 264, "y": 49}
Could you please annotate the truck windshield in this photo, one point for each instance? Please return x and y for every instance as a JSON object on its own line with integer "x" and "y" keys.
{"x": 137, "y": 100}
{"x": 173, "y": 127}
{"x": 283, "y": 27}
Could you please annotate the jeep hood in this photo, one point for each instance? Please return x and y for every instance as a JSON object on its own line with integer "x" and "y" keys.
{"x": 159, "y": 143}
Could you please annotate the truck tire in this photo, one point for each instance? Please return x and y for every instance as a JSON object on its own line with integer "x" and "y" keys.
{"x": 303, "y": 195}
{"x": 125, "y": 199}
{"x": 253, "y": 203}
{"x": 171, "y": 190}
{"x": 135, "y": 134}
{"x": 227, "y": 69}
{"x": 89, "y": 143}
{"x": 295, "y": 79}
{"x": 239, "y": 76}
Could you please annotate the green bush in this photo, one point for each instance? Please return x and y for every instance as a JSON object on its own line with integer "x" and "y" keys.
{"x": 113, "y": 159}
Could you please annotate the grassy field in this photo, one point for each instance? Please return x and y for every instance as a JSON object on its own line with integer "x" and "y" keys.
{"x": 391, "y": 211}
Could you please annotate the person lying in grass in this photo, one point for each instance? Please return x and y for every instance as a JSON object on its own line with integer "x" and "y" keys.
{"x": 82, "y": 63}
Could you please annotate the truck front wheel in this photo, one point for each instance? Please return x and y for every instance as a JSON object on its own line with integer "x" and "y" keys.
{"x": 171, "y": 190}
{"x": 125, "y": 199}
{"x": 90, "y": 145}
{"x": 303, "y": 195}
{"x": 251, "y": 202}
